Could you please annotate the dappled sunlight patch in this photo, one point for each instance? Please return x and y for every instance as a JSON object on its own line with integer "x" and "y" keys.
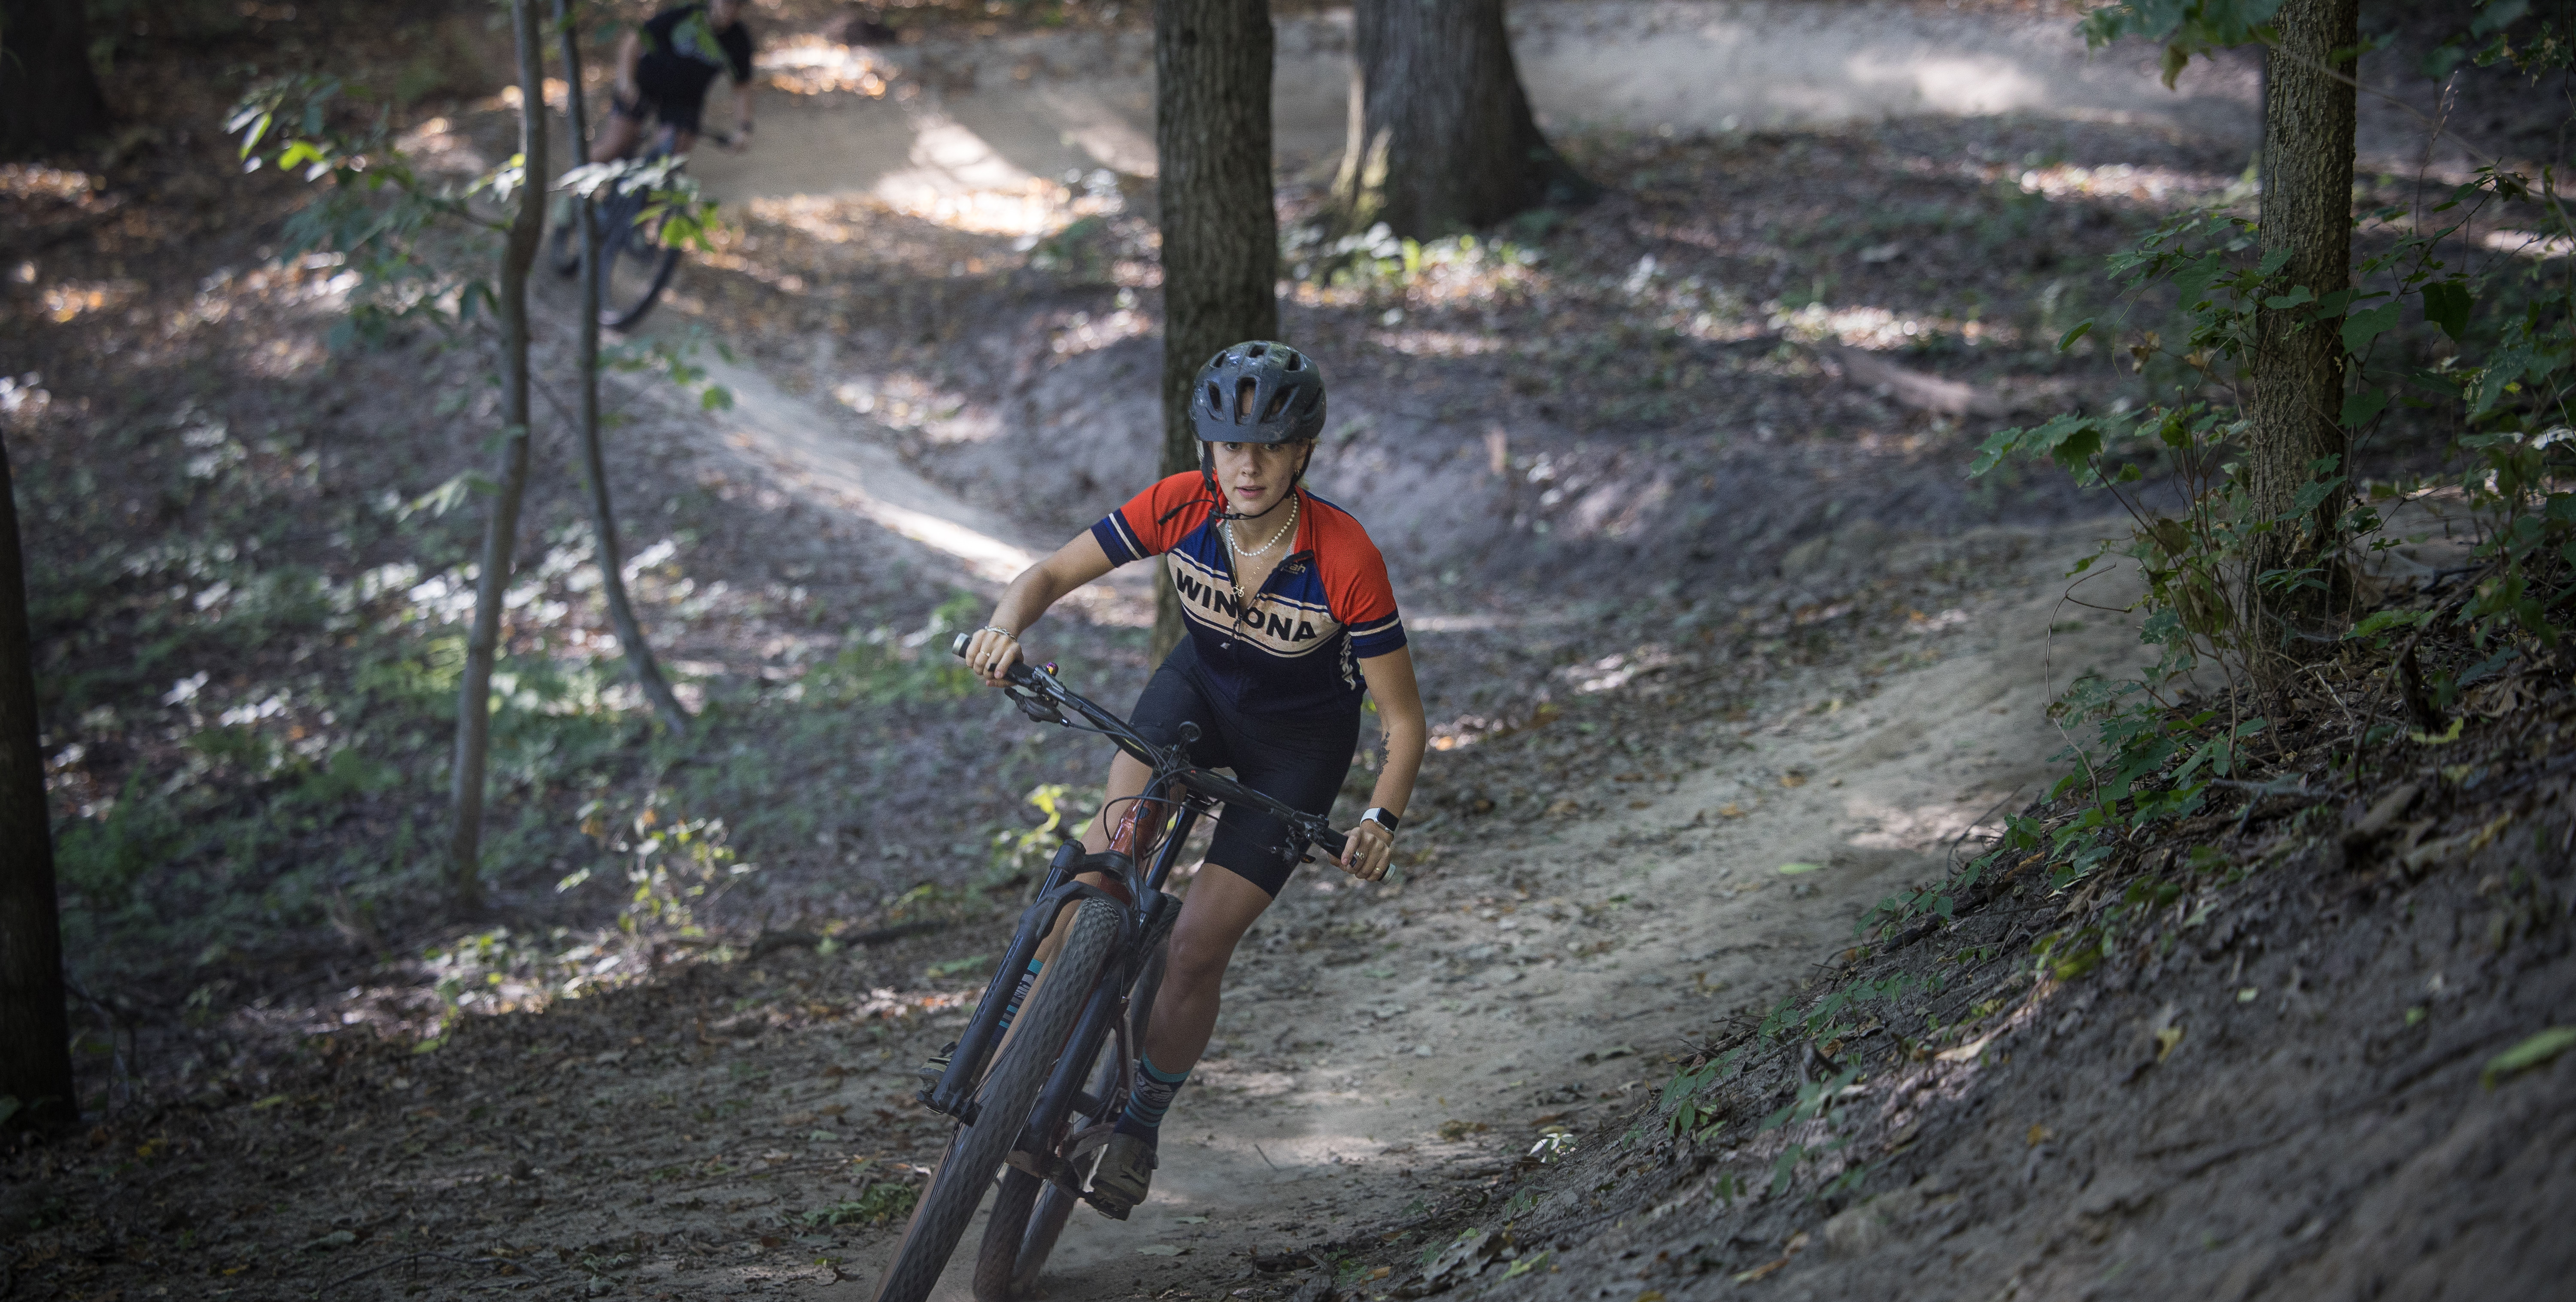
{"x": 902, "y": 400}
{"x": 1879, "y": 328}
{"x": 37, "y": 181}
{"x": 2159, "y": 187}
{"x": 1928, "y": 826}
{"x": 810, "y": 64}
{"x": 64, "y": 300}
{"x": 437, "y": 145}
{"x": 1617, "y": 670}
{"x": 1080, "y": 332}
{"x": 1354, "y": 269}
{"x": 2529, "y": 244}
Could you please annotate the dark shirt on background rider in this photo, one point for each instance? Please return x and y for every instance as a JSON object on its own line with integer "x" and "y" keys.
{"x": 683, "y": 50}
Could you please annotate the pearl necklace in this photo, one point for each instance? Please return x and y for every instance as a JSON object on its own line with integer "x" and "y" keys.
{"x": 1236, "y": 546}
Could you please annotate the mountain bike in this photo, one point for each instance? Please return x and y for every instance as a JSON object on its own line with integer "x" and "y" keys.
{"x": 635, "y": 261}
{"x": 1022, "y": 1080}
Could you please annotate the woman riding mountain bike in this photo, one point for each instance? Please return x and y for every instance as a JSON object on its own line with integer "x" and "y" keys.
{"x": 1291, "y": 619}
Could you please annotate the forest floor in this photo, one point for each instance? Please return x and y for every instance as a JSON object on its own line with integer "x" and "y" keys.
{"x": 1720, "y": 648}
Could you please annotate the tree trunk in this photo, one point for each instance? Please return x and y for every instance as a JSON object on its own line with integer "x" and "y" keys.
{"x": 1441, "y": 135}
{"x": 2298, "y": 383}
{"x": 48, "y": 95}
{"x": 603, "y": 518}
{"x": 501, "y": 527}
{"x": 35, "y": 1037}
{"x": 1220, "y": 235}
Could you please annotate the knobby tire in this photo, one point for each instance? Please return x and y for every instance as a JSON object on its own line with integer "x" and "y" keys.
{"x": 1002, "y": 1108}
{"x": 656, "y": 260}
{"x": 1029, "y": 1213}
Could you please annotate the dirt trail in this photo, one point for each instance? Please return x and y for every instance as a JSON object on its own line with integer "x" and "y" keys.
{"x": 1530, "y": 977}
{"x": 840, "y": 461}
{"x": 975, "y": 125}
{"x": 1528, "y": 974}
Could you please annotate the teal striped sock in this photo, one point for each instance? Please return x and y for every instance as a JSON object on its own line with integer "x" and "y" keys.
{"x": 1150, "y": 1098}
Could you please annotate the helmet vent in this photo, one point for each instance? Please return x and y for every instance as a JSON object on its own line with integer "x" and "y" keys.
{"x": 1245, "y": 390}
{"x": 1278, "y": 404}
{"x": 1215, "y": 400}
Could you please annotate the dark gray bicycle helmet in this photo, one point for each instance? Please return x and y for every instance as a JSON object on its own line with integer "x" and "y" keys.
{"x": 1258, "y": 392}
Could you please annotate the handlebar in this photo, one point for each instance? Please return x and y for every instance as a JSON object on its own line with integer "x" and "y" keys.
{"x": 1042, "y": 684}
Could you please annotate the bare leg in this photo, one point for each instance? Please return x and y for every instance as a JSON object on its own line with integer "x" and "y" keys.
{"x": 1220, "y": 908}
{"x": 616, "y": 138}
{"x": 1127, "y": 776}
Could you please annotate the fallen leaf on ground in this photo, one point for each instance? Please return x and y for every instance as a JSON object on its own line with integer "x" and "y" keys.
{"x": 1793, "y": 869}
{"x": 1159, "y": 1250}
{"x": 2166, "y": 1039}
{"x": 2533, "y": 1052}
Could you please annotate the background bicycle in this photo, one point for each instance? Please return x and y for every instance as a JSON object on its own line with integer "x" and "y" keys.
{"x": 644, "y": 213}
{"x": 1035, "y": 1067}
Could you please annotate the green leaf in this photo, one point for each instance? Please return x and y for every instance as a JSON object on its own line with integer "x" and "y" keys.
{"x": 2446, "y": 304}
{"x": 1793, "y": 869}
{"x": 2194, "y": 280}
{"x": 2362, "y": 404}
{"x": 2362, "y": 327}
{"x": 2383, "y": 620}
{"x": 2504, "y": 369}
{"x": 2533, "y": 1052}
{"x": 2067, "y": 340}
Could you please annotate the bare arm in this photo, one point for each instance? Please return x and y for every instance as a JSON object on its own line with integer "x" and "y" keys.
{"x": 1025, "y": 602}
{"x": 630, "y": 52}
{"x": 1400, "y": 722}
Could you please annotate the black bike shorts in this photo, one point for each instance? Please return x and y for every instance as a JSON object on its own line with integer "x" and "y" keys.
{"x": 675, "y": 106}
{"x": 1297, "y": 759}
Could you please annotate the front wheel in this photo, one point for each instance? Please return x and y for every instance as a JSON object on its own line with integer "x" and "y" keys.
{"x": 1029, "y": 1213}
{"x": 635, "y": 267}
{"x": 563, "y": 237}
{"x": 1002, "y": 1107}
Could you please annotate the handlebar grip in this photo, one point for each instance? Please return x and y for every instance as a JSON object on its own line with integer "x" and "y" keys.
{"x": 1331, "y": 842}
{"x": 1019, "y": 674}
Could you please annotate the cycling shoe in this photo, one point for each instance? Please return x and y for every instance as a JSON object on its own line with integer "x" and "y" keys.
{"x": 1115, "y": 1169}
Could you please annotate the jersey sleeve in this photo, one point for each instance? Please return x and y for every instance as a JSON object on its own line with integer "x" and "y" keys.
{"x": 1153, "y": 521}
{"x": 1361, "y": 597}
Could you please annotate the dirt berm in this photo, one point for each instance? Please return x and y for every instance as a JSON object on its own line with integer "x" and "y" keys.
{"x": 2319, "y": 1056}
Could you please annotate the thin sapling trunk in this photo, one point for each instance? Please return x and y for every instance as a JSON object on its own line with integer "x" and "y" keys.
{"x": 603, "y": 518}
{"x": 501, "y": 526}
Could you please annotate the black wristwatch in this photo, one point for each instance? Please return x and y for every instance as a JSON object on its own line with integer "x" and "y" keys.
{"x": 1385, "y": 818}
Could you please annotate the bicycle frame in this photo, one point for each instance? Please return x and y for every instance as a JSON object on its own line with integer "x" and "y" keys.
{"x": 1185, "y": 794}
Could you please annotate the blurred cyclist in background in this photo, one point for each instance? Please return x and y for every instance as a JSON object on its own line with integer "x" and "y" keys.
{"x": 664, "y": 70}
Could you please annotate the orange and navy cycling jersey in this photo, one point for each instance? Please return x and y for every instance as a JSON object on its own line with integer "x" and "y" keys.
{"x": 1297, "y": 643}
